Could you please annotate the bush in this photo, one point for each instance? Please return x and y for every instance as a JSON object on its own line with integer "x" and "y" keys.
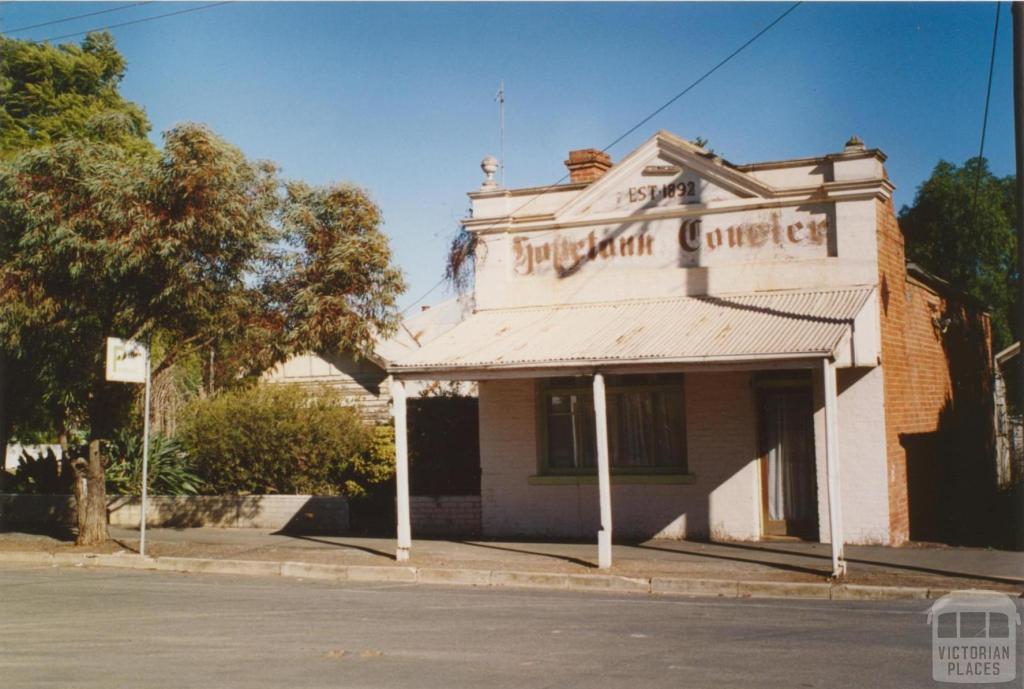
{"x": 41, "y": 474}
{"x": 285, "y": 439}
{"x": 169, "y": 472}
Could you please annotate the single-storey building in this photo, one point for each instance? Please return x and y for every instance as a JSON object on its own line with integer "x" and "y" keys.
{"x": 677, "y": 346}
{"x": 364, "y": 380}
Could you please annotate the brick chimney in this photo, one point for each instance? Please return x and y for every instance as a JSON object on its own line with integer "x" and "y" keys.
{"x": 587, "y": 165}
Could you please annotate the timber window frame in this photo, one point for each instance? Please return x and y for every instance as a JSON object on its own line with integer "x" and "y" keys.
{"x": 646, "y": 426}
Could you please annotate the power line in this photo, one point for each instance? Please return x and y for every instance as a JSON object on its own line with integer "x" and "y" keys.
{"x": 672, "y": 100}
{"x": 136, "y": 21}
{"x": 423, "y": 296}
{"x": 984, "y": 119}
{"x": 643, "y": 121}
{"x": 704, "y": 76}
{"x": 77, "y": 16}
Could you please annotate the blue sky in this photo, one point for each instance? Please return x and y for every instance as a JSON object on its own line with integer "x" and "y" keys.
{"x": 398, "y": 98}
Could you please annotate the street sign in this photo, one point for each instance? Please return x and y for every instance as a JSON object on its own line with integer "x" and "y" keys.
{"x": 126, "y": 361}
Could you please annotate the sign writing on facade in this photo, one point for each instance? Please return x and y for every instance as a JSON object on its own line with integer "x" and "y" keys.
{"x": 684, "y": 191}
{"x": 740, "y": 237}
{"x": 658, "y": 186}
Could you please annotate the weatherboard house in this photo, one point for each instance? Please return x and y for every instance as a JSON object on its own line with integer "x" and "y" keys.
{"x": 676, "y": 346}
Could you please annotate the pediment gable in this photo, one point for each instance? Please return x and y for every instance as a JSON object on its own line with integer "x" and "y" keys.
{"x": 665, "y": 172}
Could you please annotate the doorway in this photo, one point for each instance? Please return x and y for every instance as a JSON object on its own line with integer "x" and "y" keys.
{"x": 789, "y": 496}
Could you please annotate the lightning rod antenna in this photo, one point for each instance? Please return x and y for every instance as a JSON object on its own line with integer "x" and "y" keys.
{"x": 500, "y": 97}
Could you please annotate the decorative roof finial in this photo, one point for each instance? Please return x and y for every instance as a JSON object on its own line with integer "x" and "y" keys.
{"x": 489, "y": 165}
{"x": 854, "y": 145}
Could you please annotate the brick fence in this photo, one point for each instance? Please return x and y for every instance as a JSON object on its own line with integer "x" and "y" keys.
{"x": 304, "y": 513}
{"x": 445, "y": 515}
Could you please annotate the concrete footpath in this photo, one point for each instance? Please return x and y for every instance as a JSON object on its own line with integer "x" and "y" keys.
{"x": 734, "y": 570}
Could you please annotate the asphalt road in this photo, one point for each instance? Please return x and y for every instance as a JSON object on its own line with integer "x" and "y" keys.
{"x": 78, "y": 628}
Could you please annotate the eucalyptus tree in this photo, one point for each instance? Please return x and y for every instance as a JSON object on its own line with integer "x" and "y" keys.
{"x": 49, "y": 93}
{"x": 52, "y": 93}
{"x": 194, "y": 244}
{"x": 961, "y": 227}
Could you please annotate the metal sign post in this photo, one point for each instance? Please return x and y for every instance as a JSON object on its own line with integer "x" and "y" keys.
{"x": 129, "y": 362}
{"x": 145, "y": 460}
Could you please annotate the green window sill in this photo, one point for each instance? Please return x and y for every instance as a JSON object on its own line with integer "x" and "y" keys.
{"x": 619, "y": 479}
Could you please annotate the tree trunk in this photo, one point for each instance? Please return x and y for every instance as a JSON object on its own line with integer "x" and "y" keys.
{"x": 108, "y": 403}
{"x": 91, "y": 497}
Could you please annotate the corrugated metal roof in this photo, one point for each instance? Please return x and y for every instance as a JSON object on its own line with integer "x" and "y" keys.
{"x": 423, "y": 326}
{"x": 710, "y": 328}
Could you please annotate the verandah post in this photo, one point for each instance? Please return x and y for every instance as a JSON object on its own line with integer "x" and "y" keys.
{"x": 401, "y": 470}
{"x": 604, "y": 484}
{"x": 835, "y": 515}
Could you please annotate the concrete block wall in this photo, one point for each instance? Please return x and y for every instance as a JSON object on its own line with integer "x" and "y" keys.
{"x": 301, "y": 513}
{"x": 445, "y": 515}
{"x": 36, "y": 510}
{"x": 723, "y": 502}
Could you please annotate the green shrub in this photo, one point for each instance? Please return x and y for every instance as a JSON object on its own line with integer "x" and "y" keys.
{"x": 285, "y": 439}
{"x": 169, "y": 472}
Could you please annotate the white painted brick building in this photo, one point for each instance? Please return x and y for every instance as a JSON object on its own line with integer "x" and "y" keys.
{"x": 733, "y": 322}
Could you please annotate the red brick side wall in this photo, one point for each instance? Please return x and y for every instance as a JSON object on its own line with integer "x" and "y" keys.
{"x": 920, "y": 381}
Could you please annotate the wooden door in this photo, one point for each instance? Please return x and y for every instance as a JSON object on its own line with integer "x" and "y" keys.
{"x": 788, "y": 476}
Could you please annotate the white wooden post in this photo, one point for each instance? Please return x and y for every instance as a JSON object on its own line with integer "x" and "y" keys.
{"x": 604, "y": 481}
{"x": 835, "y": 514}
{"x": 401, "y": 470}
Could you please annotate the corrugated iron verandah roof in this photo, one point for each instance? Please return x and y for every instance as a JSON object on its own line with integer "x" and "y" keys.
{"x": 734, "y": 328}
